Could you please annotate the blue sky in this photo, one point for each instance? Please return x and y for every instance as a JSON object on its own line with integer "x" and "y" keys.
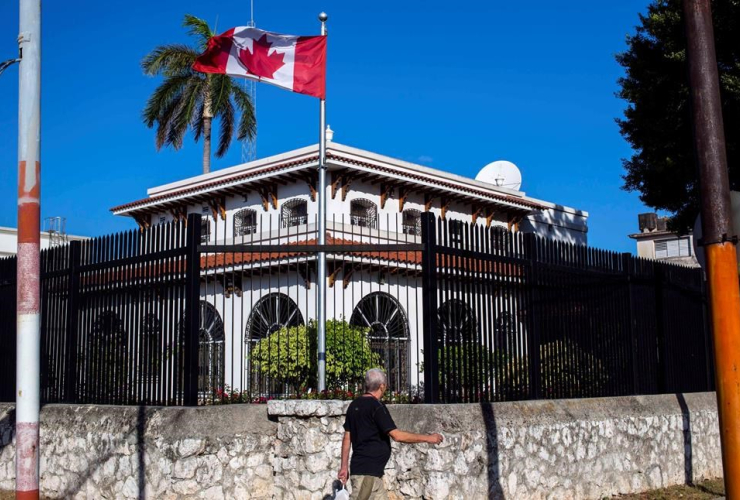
{"x": 449, "y": 85}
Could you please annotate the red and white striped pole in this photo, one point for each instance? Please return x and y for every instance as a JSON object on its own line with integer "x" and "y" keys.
{"x": 29, "y": 289}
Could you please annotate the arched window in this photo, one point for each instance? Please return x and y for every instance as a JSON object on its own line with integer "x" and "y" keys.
{"x": 271, "y": 313}
{"x": 456, "y": 322}
{"x": 151, "y": 347}
{"x": 211, "y": 360}
{"x": 294, "y": 213}
{"x": 245, "y": 222}
{"x": 412, "y": 222}
{"x": 388, "y": 333}
{"x": 363, "y": 213}
{"x": 106, "y": 355}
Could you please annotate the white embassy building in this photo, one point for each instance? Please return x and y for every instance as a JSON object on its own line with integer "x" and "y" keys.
{"x": 371, "y": 198}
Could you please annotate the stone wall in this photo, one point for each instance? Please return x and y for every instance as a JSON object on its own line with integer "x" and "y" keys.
{"x": 290, "y": 449}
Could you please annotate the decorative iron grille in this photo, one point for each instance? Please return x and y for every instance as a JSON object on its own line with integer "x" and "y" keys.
{"x": 363, "y": 213}
{"x": 388, "y": 333}
{"x": 411, "y": 222}
{"x": 245, "y": 222}
{"x": 294, "y": 213}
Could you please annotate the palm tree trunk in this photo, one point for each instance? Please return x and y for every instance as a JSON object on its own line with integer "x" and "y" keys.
{"x": 207, "y": 119}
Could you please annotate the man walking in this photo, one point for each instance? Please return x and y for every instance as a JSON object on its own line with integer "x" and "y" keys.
{"x": 367, "y": 430}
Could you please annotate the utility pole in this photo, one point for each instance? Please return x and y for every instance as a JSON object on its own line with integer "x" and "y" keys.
{"x": 722, "y": 275}
{"x": 28, "y": 298}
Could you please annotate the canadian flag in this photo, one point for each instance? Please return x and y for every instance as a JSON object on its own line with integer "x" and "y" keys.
{"x": 296, "y": 63}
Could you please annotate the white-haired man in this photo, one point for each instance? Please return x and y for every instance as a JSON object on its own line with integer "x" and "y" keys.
{"x": 368, "y": 429}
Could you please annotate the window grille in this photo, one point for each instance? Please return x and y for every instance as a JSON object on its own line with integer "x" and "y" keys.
{"x": 294, "y": 213}
{"x": 388, "y": 333}
{"x": 457, "y": 323}
{"x": 245, "y": 222}
{"x": 412, "y": 222}
{"x": 271, "y": 313}
{"x": 363, "y": 213}
{"x": 205, "y": 230}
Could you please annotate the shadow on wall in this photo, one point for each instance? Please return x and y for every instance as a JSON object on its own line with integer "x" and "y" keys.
{"x": 687, "y": 452}
{"x": 7, "y": 428}
{"x": 140, "y": 431}
{"x": 494, "y": 485}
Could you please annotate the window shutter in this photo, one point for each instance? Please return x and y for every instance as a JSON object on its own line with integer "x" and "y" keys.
{"x": 661, "y": 249}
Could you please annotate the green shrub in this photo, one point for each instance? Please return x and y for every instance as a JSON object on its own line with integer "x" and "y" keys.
{"x": 290, "y": 355}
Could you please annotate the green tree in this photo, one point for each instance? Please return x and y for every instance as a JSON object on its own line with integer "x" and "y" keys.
{"x": 289, "y": 355}
{"x": 189, "y": 100}
{"x": 657, "y": 120}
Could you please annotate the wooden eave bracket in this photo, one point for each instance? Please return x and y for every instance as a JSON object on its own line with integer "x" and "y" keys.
{"x": 385, "y": 192}
{"x": 336, "y": 180}
{"x": 349, "y": 270}
{"x": 477, "y": 211}
{"x": 445, "y": 206}
{"x": 180, "y": 213}
{"x": 333, "y": 276}
{"x": 218, "y": 207}
{"x": 403, "y": 193}
{"x": 311, "y": 183}
{"x": 142, "y": 220}
{"x": 346, "y": 183}
{"x": 269, "y": 196}
{"x": 428, "y": 201}
{"x": 489, "y": 216}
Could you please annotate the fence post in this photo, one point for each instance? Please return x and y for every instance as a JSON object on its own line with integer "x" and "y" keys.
{"x": 533, "y": 336}
{"x": 628, "y": 265}
{"x": 192, "y": 310}
{"x": 73, "y": 307}
{"x": 429, "y": 307}
{"x": 660, "y": 330}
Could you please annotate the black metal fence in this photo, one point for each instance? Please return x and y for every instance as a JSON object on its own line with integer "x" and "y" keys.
{"x": 520, "y": 316}
{"x": 210, "y": 312}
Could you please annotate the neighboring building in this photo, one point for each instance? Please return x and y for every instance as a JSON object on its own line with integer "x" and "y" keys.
{"x": 49, "y": 238}
{"x": 655, "y": 241}
{"x": 370, "y": 199}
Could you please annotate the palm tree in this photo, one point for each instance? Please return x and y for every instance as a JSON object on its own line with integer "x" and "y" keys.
{"x": 187, "y": 99}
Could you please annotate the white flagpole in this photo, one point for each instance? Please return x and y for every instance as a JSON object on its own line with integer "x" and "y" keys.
{"x": 321, "y": 272}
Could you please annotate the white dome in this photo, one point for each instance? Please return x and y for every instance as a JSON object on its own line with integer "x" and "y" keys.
{"x": 501, "y": 173}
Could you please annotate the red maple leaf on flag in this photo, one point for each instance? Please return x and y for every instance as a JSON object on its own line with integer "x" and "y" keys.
{"x": 259, "y": 62}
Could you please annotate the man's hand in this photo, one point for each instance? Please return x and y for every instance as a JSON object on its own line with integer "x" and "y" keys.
{"x": 343, "y": 475}
{"x": 435, "y": 438}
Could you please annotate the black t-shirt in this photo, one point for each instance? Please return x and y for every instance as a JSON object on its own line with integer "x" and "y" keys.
{"x": 368, "y": 423}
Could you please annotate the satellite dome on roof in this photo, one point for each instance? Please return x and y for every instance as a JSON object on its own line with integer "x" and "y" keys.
{"x": 501, "y": 173}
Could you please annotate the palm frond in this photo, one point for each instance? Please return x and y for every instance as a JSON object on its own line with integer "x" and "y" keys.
{"x": 197, "y": 121}
{"x": 164, "y": 122}
{"x": 169, "y": 60}
{"x": 226, "y": 116}
{"x": 220, "y": 91}
{"x": 247, "y": 121}
{"x": 198, "y": 28}
{"x": 170, "y": 90}
{"x": 183, "y": 115}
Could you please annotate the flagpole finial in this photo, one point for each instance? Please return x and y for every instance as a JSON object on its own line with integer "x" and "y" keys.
{"x": 323, "y": 17}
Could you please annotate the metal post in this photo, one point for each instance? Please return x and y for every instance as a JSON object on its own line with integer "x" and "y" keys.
{"x": 29, "y": 282}
{"x": 429, "y": 308}
{"x": 321, "y": 272}
{"x": 191, "y": 331}
{"x": 73, "y": 294}
{"x": 722, "y": 276}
